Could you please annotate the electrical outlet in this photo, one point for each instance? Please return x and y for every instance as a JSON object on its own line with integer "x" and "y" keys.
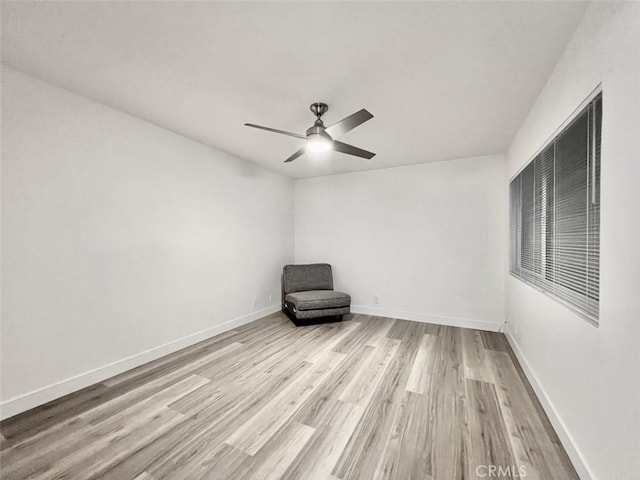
{"x": 270, "y": 298}
{"x": 376, "y": 300}
{"x": 255, "y": 301}
{"x": 506, "y": 325}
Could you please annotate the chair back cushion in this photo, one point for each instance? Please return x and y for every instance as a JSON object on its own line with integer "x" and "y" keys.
{"x": 300, "y": 278}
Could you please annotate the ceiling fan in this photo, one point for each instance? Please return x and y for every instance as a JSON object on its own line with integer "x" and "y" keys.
{"x": 321, "y": 139}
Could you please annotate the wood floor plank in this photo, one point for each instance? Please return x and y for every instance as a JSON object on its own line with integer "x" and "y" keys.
{"x": 477, "y": 366}
{"x": 487, "y": 441}
{"x": 370, "y": 328}
{"x": 363, "y": 386}
{"x": 535, "y": 444}
{"x": 144, "y": 476}
{"x": 252, "y": 435}
{"x": 121, "y": 431}
{"x": 37, "y": 453}
{"x": 257, "y": 359}
{"x": 175, "y": 359}
{"x": 272, "y": 462}
{"x": 433, "y": 329}
{"x": 370, "y": 398}
{"x": 342, "y": 330}
{"x": 425, "y": 363}
{"x": 156, "y": 376}
{"x": 381, "y": 333}
{"x": 320, "y": 455}
{"x": 92, "y": 462}
{"x": 398, "y": 329}
{"x": 418, "y": 379}
{"x": 133, "y": 402}
{"x": 204, "y": 459}
{"x": 224, "y": 462}
{"x": 407, "y": 453}
{"x": 529, "y": 393}
{"x": 142, "y": 388}
{"x": 364, "y": 451}
{"x": 22, "y": 426}
{"x": 448, "y": 457}
{"x": 321, "y": 402}
{"x": 495, "y": 341}
{"x": 187, "y": 451}
{"x": 218, "y": 420}
{"x": 494, "y": 376}
{"x": 264, "y": 331}
{"x": 202, "y": 447}
{"x": 64, "y": 459}
{"x": 136, "y": 463}
{"x": 41, "y": 440}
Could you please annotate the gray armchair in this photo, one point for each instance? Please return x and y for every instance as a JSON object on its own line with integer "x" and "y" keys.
{"x": 308, "y": 295}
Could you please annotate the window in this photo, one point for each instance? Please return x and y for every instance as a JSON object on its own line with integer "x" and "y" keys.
{"x": 555, "y": 214}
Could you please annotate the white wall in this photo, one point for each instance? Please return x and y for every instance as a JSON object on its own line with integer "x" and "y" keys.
{"x": 427, "y": 240}
{"x": 119, "y": 237}
{"x": 589, "y": 377}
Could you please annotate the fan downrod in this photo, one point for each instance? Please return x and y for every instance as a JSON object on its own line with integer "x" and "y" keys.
{"x": 319, "y": 109}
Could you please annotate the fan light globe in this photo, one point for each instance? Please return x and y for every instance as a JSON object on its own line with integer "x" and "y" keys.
{"x": 318, "y": 143}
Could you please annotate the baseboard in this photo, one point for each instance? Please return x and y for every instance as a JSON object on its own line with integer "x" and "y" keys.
{"x": 13, "y": 406}
{"x": 576, "y": 456}
{"x": 427, "y": 318}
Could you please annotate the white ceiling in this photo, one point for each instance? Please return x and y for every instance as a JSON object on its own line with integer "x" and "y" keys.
{"x": 443, "y": 79}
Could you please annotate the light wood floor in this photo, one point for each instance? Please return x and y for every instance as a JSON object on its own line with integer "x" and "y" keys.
{"x": 368, "y": 398}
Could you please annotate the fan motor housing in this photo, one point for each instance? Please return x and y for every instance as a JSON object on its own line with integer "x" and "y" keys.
{"x": 318, "y": 129}
{"x": 319, "y": 108}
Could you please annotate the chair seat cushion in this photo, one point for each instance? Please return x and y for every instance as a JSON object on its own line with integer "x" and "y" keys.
{"x": 318, "y": 299}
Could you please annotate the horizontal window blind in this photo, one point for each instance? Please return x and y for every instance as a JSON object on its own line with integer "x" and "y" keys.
{"x": 544, "y": 218}
{"x": 527, "y": 207}
{"x": 514, "y": 224}
{"x": 555, "y": 214}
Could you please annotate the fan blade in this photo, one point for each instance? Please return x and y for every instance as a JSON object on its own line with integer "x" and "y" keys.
{"x": 348, "y": 123}
{"x": 351, "y": 150}
{"x": 275, "y": 130}
{"x": 295, "y": 155}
